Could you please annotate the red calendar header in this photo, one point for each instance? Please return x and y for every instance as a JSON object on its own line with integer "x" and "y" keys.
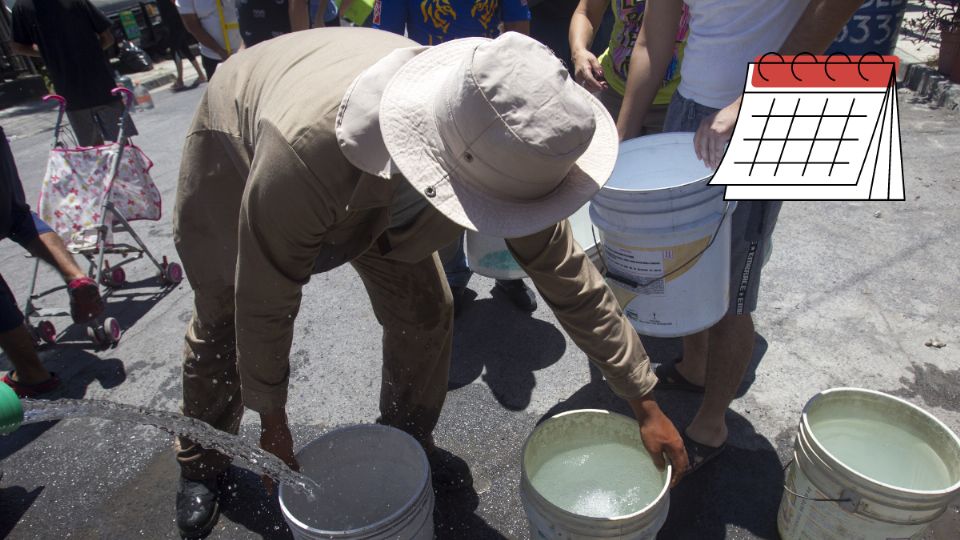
{"x": 834, "y": 71}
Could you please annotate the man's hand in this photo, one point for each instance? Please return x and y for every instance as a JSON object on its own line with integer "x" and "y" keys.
{"x": 660, "y": 436}
{"x": 715, "y": 131}
{"x": 275, "y": 438}
{"x": 587, "y": 71}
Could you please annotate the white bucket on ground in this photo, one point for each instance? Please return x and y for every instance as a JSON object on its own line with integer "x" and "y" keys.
{"x": 585, "y": 474}
{"x": 374, "y": 484}
{"x": 665, "y": 236}
{"x": 867, "y": 465}
{"x": 489, "y": 256}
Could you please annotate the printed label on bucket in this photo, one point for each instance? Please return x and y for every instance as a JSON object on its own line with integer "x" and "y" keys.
{"x": 633, "y": 271}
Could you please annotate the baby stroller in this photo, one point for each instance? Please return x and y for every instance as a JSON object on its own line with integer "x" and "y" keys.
{"x": 89, "y": 194}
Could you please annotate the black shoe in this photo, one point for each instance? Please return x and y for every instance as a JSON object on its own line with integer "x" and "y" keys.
{"x": 518, "y": 293}
{"x": 198, "y": 507}
{"x": 448, "y": 472}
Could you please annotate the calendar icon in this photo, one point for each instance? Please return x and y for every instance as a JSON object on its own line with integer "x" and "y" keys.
{"x": 818, "y": 128}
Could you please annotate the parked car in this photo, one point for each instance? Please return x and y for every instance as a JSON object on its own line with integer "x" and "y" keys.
{"x": 135, "y": 21}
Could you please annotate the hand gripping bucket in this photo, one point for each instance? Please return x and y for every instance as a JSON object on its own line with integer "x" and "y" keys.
{"x": 665, "y": 237}
{"x": 374, "y": 485}
{"x": 867, "y": 465}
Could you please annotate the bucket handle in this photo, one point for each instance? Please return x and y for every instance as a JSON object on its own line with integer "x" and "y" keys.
{"x": 631, "y": 283}
{"x": 849, "y": 501}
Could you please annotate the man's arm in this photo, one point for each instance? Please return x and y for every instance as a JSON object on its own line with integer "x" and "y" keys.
{"x": 106, "y": 39}
{"x": 522, "y": 27}
{"x": 24, "y": 50}
{"x": 589, "y": 313}
{"x": 299, "y": 15}
{"x": 192, "y": 22}
{"x": 649, "y": 61}
{"x": 813, "y": 33}
{"x": 583, "y": 29}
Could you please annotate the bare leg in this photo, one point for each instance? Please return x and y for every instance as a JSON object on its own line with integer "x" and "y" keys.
{"x": 731, "y": 347}
{"x": 196, "y": 66}
{"x": 695, "y": 349}
{"x": 18, "y": 344}
{"x": 177, "y": 61}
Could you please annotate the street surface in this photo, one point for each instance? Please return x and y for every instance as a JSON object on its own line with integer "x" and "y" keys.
{"x": 850, "y": 296}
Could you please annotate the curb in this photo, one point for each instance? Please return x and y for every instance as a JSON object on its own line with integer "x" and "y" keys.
{"x": 930, "y": 84}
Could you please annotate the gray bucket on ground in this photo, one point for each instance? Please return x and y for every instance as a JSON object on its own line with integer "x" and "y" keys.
{"x": 374, "y": 484}
{"x": 867, "y": 465}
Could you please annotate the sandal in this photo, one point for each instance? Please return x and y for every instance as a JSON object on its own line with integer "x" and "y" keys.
{"x": 671, "y": 379}
{"x": 700, "y": 454}
{"x": 43, "y": 389}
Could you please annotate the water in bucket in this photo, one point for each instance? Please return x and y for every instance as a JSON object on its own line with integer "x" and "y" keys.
{"x": 600, "y": 480}
{"x": 881, "y": 448}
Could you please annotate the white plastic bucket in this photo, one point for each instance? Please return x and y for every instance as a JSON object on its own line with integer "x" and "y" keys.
{"x": 665, "y": 236}
{"x": 374, "y": 484}
{"x": 489, "y": 256}
{"x": 867, "y": 465}
{"x": 578, "y": 429}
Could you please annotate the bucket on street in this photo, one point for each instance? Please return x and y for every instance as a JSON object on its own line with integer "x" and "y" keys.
{"x": 489, "y": 256}
{"x": 665, "y": 236}
{"x": 374, "y": 484}
{"x": 585, "y": 474}
{"x": 867, "y": 465}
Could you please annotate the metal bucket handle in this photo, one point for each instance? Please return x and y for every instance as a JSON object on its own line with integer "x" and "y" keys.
{"x": 630, "y": 282}
{"x": 848, "y": 501}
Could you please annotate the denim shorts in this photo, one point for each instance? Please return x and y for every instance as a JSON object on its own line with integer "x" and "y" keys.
{"x": 753, "y": 221}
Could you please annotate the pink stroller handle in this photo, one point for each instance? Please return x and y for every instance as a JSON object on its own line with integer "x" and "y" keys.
{"x": 127, "y": 96}
{"x": 62, "y": 101}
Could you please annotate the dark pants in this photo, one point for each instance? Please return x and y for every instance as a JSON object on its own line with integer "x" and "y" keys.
{"x": 209, "y": 65}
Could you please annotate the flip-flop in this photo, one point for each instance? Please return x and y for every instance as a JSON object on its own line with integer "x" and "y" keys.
{"x": 47, "y": 388}
{"x": 668, "y": 378}
{"x": 700, "y": 454}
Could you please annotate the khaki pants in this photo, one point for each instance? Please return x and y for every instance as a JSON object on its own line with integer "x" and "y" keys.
{"x": 411, "y": 301}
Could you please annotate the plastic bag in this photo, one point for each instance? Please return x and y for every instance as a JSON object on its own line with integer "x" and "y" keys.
{"x": 132, "y": 59}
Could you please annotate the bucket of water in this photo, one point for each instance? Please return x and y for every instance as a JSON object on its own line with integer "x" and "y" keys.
{"x": 374, "y": 484}
{"x": 665, "y": 236}
{"x": 867, "y": 465}
{"x": 489, "y": 256}
{"x": 585, "y": 474}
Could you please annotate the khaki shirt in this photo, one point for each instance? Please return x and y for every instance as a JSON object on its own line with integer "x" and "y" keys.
{"x": 306, "y": 207}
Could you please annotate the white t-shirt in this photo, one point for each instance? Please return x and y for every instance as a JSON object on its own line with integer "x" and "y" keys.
{"x": 206, "y": 11}
{"x": 725, "y": 35}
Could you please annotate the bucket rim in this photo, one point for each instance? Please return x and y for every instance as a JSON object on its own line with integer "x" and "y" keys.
{"x": 805, "y": 424}
{"x": 524, "y": 477}
{"x": 423, "y": 485}
{"x": 658, "y": 139}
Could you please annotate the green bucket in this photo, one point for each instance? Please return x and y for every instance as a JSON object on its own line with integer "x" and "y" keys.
{"x": 11, "y": 412}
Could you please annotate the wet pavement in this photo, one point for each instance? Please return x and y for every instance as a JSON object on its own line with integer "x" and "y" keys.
{"x": 850, "y": 296}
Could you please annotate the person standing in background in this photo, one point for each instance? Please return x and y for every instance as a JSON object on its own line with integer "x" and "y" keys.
{"x": 178, "y": 42}
{"x": 607, "y": 76}
{"x": 261, "y": 20}
{"x": 431, "y": 22}
{"x": 329, "y": 15}
{"x": 70, "y": 36}
{"x": 213, "y": 23}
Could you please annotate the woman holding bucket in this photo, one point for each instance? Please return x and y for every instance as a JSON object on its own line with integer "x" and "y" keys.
{"x": 725, "y": 35}
{"x": 398, "y": 151}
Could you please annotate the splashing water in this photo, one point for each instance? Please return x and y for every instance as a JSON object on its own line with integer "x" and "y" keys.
{"x": 257, "y": 460}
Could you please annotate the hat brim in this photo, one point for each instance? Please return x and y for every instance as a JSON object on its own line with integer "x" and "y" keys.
{"x": 412, "y": 137}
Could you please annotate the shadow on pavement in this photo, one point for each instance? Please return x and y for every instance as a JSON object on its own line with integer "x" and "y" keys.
{"x": 77, "y": 369}
{"x": 522, "y": 346}
{"x": 741, "y": 488}
{"x": 14, "y": 503}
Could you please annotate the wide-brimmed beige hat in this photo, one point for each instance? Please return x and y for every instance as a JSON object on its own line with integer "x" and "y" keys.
{"x": 496, "y": 134}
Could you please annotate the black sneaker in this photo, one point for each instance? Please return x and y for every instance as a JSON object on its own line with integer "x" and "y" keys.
{"x": 448, "y": 471}
{"x": 518, "y": 293}
{"x": 198, "y": 507}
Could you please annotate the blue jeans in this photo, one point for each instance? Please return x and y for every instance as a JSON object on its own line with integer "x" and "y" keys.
{"x": 456, "y": 268}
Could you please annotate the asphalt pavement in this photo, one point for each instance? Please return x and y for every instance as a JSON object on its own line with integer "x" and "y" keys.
{"x": 850, "y": 296}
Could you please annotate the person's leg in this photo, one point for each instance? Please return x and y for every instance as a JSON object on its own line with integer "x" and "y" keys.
{"x": 86, "y": 303}
{"x": 17, "y": 343}
{"x": 413, "y": 304}
{"x": 209, "y": 65}
{"x": 107, "y": 118}
{"x": 85, "y": 128}
{"x": 178, "y": 63}
{"x": 205, "y": 234}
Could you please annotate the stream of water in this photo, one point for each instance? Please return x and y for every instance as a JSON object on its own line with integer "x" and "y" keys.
{"x": 256, "y": 459}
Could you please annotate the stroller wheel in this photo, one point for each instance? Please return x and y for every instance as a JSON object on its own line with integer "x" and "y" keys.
{"x": 172, "y": 274}
{"x": 116, "y": 278}
{"x": 47, "y": 332}
{"x": 111, "y": 330}
{"x": 96, "y": 335}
